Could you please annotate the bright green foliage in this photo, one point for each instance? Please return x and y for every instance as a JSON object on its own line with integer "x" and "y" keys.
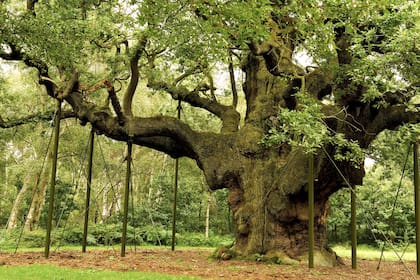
{"x": 74, "y": 34}
{"x": 64, "y": 195}
{"x": 41, "y": 272}
{"x": 302, "y": 127}
{"x": 385, "y": 58}
{"x": 370, "y": 24}
{"x": 383, "y": 150}
{"x": 306, "y": 128}
{"x": 377, "y": 221}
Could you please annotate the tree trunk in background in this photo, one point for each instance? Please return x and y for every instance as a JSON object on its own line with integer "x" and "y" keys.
{"x": 38, "y": 201}
{"x": 208, "y": 215}
{"x": 105, "y": 212}
{"x": 3, "y": 180}
{"x": 14, "y": 213}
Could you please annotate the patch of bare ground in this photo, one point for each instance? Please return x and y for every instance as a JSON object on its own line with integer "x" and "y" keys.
{"x": 196, "y": 262}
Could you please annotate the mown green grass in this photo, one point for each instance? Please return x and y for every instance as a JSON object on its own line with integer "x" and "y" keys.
{"x": 374, "y": 253}
{"x": 49, "y": 272}
{"x": 116, "y": 247}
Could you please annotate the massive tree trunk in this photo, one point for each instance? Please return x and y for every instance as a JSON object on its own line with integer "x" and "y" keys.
{"x": 268, "y": 197}
{"x": 271, "y": 212}
{"x": 268, "y": 186}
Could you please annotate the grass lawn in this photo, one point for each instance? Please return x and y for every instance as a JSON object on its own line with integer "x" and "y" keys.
{"x": 38, "y": 272}
{"x": 116, "y": 247}
{"x": 374, "y": 253}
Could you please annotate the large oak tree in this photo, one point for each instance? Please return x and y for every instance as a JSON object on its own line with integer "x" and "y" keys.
{"x": 321, "y": 77}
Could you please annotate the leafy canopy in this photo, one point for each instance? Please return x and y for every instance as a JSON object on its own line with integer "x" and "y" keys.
{"x": 70, "y": 34}
{"x": 183, "y": 35}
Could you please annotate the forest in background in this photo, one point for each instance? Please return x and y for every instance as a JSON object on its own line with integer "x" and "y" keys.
{"x": 203, "y": 216}
{"x": 25, "y": 175}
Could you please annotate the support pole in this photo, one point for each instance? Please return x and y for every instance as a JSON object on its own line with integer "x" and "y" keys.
{"x": 174, "y": 205}
{"x": 88, "y": 188}
{"x": 417, "y": 200}
{"x": 52, "y": 180}
{"x": 175, "y": 188}
{"x": 311, "y": 202}
{"x": 126, "y": 197}
{"x": 353, "y": 228}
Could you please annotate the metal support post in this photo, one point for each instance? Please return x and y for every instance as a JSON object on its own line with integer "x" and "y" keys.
{"x": 126, "y": 198}
{"x": 175, "y": 188}
{"x": 88, "y": 188}
{"x": 311, "y": 202}
{"x": 417, "y": 200}
{"x": 353, "y": 228}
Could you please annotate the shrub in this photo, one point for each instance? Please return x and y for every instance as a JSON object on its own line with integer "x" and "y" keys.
{"x": 156, "y": 235}
{"x": 106, "y": 234}
{"x": 33, "y": 239}
{"x": 74, "y": 236}
{"x": 199, "y": 240}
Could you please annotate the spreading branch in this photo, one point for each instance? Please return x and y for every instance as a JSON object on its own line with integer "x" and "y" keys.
{"x": 70, "y": 86}
{"x": 228, "y": 115}
{"x": 187, "y": 73}
{"x": 35, "y": 118}
{"x": 392, "y": 117}
{"x": 132, "y": 86}
{"x": 165, "y": 134}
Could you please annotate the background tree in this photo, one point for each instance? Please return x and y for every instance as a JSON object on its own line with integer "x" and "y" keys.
{"x": 385, "y": 202}
{"x": 359, "y": 78}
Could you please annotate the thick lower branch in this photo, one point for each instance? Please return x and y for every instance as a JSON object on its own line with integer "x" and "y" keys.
{"x": 393, "y": 117}
{"x": 166, "y": 134}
